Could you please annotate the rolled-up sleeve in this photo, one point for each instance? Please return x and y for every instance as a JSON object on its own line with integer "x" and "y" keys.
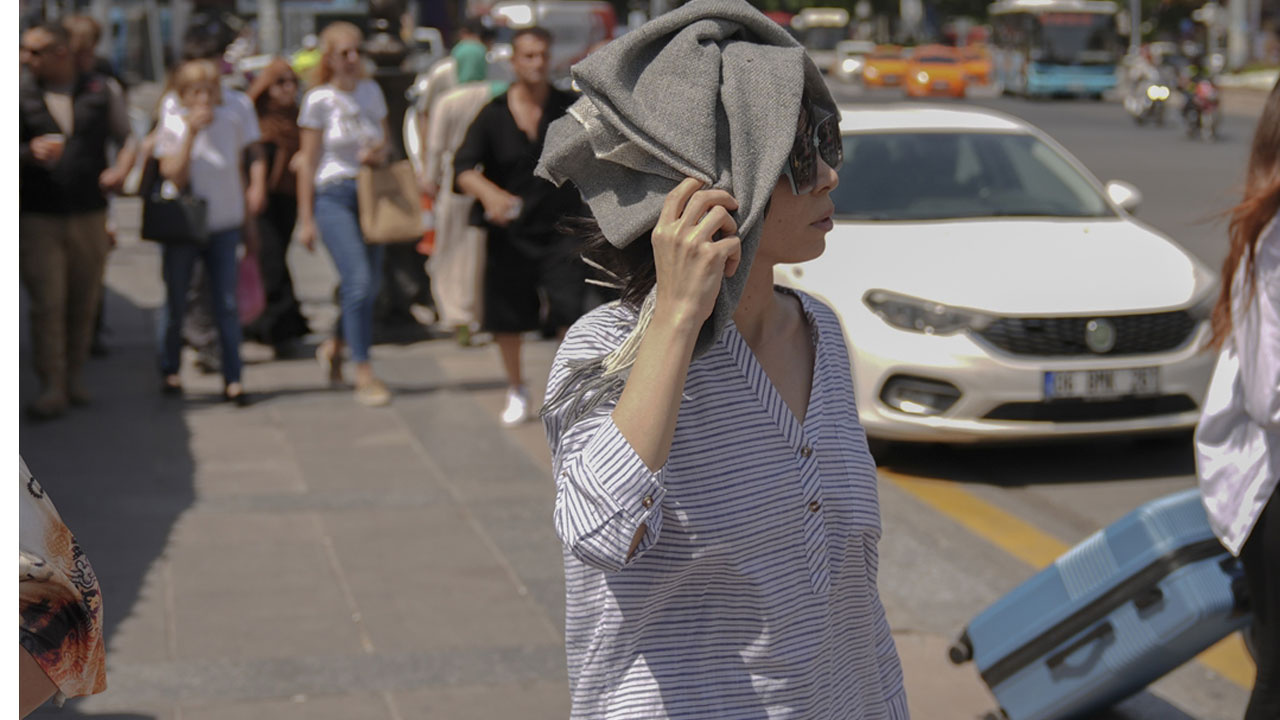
{"x": 604, "y": 490}
{"x": 604, "y": 493}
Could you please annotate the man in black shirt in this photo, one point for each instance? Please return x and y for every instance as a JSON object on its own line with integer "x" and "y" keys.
{"x": 66, "y": 120}
{"x": 525, "y": 252}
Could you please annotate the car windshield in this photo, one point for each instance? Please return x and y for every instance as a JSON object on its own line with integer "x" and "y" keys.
{"x": 1076, "y": 38}
{"x": 949, "y": 175}
{"x": 937, "y": 60}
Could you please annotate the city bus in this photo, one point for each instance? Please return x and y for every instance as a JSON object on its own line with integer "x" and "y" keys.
{"x": 819, "y": 29}
{"x": 1055, "y": 47}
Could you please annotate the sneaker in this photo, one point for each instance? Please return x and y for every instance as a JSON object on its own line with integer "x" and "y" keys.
{"x": 517, "y": 410}
{"x": 373, "y": 393}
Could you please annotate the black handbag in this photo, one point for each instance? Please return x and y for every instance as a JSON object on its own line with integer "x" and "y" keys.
{"x": 172, "y": 221}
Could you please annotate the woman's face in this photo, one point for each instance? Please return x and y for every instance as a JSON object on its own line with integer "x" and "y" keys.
{"x": 344, "y": 56}
{"x": 284, "y": 91}
{"x": 796, "y": 226}
{"x": 204, "y": 92}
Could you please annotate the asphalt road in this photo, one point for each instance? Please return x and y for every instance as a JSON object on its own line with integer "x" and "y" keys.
{"x": 933, "y": 572}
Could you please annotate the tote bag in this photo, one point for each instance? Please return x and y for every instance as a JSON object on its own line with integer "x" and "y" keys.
{"x": 390, "y": 206}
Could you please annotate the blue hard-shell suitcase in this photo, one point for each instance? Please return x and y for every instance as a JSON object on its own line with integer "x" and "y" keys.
{"x": 1118, "y": 611}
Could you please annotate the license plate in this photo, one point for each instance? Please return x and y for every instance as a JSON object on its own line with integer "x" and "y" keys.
{"x": 1101, "y": 384}
{"x": 891, "y": 78}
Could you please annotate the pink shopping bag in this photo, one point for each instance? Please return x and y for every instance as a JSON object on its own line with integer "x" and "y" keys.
{"x": 251, "y": 297}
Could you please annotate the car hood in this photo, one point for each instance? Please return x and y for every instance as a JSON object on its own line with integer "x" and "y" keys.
{"x": 1015, "y": 267}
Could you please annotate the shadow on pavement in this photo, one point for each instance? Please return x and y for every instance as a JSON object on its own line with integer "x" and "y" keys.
{"x": 1092, "y": 460}
{"x": 120, "y": 471}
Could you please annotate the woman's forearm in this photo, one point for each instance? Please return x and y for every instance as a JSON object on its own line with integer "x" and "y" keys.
{"x": 646, "y": 413}
{"x": 176, "y": 168}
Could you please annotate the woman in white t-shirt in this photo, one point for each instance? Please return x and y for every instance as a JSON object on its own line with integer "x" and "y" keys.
{"x": 202, "y": 148}
{"x": 1238, "y": 438}
{"x": 343, "y": 125}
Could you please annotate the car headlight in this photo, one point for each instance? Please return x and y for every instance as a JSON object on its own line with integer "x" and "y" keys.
{"x": 850, "y": 65}
{"x": 1157, "y": 92}
{"x": 922, "y": 76}
{"x": 923, "y": 316}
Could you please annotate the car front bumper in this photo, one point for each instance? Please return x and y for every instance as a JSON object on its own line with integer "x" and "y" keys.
{"x": 989, "y": 378}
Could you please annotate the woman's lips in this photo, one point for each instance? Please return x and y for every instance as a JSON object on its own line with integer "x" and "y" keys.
{"x": 824, "y": 224}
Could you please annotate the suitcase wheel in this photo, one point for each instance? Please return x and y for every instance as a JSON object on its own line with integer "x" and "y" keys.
{"x": 961, "y": 651}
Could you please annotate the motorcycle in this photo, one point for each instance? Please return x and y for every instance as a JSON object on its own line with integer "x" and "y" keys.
{"x": 1146, "y": 102}
{"x": 1202, "y": 109}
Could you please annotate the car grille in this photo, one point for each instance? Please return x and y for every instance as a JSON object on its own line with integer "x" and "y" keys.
{"x": 1061, "y": 336}
{"x": 1077, "y": 410}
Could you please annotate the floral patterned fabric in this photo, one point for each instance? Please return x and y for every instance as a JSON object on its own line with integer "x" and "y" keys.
{"x": 59, "y": 601}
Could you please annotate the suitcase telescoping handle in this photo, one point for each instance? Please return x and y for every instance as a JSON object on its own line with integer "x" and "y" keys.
{"x": 1102, "y": 631}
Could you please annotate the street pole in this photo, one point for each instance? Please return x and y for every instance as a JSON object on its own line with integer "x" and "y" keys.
{"x": 1135, "y": 27}
{"x": 269, "y": 27}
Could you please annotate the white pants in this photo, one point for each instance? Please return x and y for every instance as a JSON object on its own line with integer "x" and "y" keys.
{"x": 456, "y": 265}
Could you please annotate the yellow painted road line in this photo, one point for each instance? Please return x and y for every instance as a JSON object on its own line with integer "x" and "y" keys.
{"x": 1228, "y": 658}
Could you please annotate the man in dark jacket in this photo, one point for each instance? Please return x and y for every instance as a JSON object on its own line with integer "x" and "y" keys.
{"x": 65, "y": 123}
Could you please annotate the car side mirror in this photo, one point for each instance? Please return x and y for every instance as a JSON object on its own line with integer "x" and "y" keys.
{"x": 1125, "y": 195}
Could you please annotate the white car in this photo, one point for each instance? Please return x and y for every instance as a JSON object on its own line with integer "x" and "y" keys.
{"x": 992, "y": 289}
{"x": 850, "y": 59}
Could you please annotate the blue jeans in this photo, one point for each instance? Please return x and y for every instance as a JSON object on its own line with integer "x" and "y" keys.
{"x": 359, "y": 265}
{"x": 219, "y": 257}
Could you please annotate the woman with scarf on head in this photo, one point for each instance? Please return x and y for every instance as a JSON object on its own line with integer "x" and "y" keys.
{"x": 714, "y": 492}
{"x": 1238, "y": 437}
{"x": 274, "y": 93}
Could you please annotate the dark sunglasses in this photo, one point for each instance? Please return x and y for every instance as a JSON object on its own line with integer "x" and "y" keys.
{"x": 814, "y": 139}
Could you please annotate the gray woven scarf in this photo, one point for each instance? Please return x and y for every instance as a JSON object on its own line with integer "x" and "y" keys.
{"x": 710, "y": 91}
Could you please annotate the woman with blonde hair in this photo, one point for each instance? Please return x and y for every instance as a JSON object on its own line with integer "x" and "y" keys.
{"x": 343, "y": 124}
{"x": 201, "y": 147}
{"x": 1238, "y": 438}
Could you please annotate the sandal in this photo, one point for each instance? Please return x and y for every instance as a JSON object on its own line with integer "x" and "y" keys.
{"x": 239, "y": 399}
{"x": 171, "y": 385}
{"x": 373, "y": 393}
{"x": 330, "y": 362}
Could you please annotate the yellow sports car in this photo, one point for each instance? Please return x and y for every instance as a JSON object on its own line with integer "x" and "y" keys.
{"x": 935, "y": 70}
{"x": 885, "y": 67}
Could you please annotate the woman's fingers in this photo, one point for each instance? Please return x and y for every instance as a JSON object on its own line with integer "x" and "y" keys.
{"x": 732, "y": 249}
{"x": 716, "y": 220}
{"x": 703, "y": 202}
{"x": 673, "y": 206}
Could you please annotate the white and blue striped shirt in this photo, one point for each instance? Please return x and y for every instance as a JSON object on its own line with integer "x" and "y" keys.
{"x": 753, "y": 592}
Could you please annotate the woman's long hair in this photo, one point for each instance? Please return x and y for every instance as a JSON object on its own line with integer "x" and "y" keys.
{"x": 323, "y": 73}
{"x": 1259, "y": 206}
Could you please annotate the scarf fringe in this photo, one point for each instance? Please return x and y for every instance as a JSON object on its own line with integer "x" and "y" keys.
{"x": 599, "y": 381}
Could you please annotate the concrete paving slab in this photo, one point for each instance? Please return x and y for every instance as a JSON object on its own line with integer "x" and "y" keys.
{"x": 526, "y": 700}
{"x": 297, "y": 707}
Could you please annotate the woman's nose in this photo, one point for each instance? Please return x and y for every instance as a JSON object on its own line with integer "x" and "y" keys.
{"x": 828, "y": 178}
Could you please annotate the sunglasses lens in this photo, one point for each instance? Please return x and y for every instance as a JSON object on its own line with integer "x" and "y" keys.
{"x": 803, "y": 160}
{"x": 830, "y": 144}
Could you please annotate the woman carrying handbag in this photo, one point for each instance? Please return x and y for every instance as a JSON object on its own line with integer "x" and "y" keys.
{"x": 200, "y": 152}
{"x": 344, "y": 126}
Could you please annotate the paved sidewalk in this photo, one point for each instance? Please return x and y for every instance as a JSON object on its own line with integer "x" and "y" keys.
{"x": 310, "y": 558}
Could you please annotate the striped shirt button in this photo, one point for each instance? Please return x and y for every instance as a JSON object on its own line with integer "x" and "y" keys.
{"x": 806, "y": 451}
{"x": 815, "y": 506}
{"x": 647, "y": 501}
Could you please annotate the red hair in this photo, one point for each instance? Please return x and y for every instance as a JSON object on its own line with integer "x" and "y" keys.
{"x": 1248, "y": 219}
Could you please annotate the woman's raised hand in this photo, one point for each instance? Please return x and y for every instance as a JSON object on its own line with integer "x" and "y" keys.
{"x": 695, "y": 246}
